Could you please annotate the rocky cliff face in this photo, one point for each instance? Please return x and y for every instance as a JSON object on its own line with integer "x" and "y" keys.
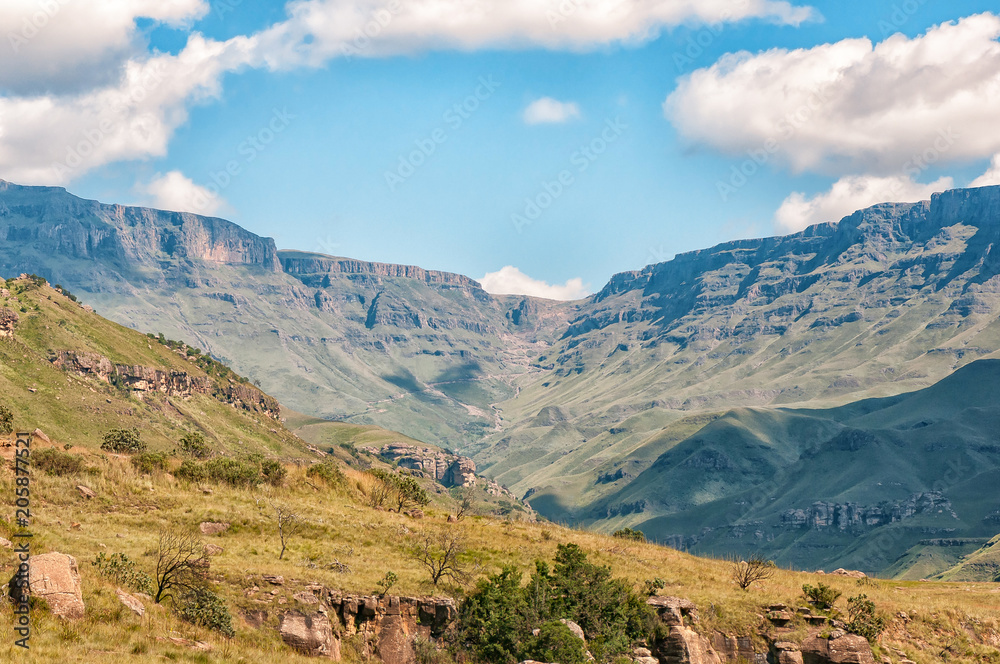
{"x": 172, "y": 383}
{"x": 315, "y": 269}
{"x": 448, "y": 469}
{"x": 823, "y": 515}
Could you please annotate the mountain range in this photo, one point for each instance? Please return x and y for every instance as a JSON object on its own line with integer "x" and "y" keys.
{"x": 801, "y": 396}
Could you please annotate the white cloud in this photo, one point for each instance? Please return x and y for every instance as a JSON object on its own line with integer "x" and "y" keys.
{"x": 550, "y": 111}
{"x": 849, "y": 194}
{"x": 991, "y": 176}
{"x": 317, "y": 30}
{"x": 851, "y": 106}
{"x": 52, "y": 139}
{"x": 511, "y": 281}
{"x": 68, "y": 45}
{"x": 175, "y": 191}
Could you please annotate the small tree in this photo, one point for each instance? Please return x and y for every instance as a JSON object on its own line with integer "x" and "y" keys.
{"x": 125, "y": 441}
{"x": 6, "y": 420}
{"x": 409, "y": 493}
{"x": 194, "y": 444}
{"x": 289, "y": 525}
{"x": 822, "y": 596}
{"x": 864, "y": 620}
{"x": 441, "y": 555}
{"x": 629, "y": 534}
{"x": 465, "y": 499}
{"x": 180, "y": 564}
{"x": 748, "y": 572}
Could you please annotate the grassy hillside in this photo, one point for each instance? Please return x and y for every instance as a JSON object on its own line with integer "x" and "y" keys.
{"x": 982, "y": 564}
{"x": 78, "y": 410}
{"x": 347, "y": 545}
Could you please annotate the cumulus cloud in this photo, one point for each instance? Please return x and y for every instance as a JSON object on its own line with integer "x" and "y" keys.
{"x": 550, "y": 111}
{"x": 991, "y": 176}
{"x": 317, "y": 30}
{"x": 62, "y": 45}
{"x": 851, "y": 106}
{"x": 52, "y": 139}
{"x": 175, "y": 191}
{"x": 849, "y": 194}
{"x": 511, "y": 281}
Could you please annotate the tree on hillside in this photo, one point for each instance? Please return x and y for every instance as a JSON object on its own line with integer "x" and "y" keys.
{"x": 181, "y": 564}
{"x": 748, "y": 572}
{"x": 288, "y": 522}
{"x": 441, "y": 555}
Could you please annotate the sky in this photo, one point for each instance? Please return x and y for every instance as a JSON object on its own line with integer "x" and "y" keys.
{"x": 539, "y": 146}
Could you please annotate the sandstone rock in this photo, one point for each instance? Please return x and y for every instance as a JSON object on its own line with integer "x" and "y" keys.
{"x": 672, "y": 610}
{"x": 213, "y": 550}
{"x": 212, "y": 527}
{"x": 787, "y": 653}
{"x": 416, "y": 513}
{"x": 55, "y": 578}
{"x": 86, "y": 491}
{"x": 255, "y": 619}
{"x": 452, "y": 518}
{"x": 38, "y": 434}
{"x": 853, "y": 574}
{"x": 8, "y": 321}
{"x": 310, "y": 634}
{"x": 395, "y": 645}
{"x": 306, "y": 597}
{"x": 847, "y": 649}
{"x": 6, "y": 543}
{"x": 274, "y": 580}
{"x": 573, "y": 627}
{"x": 131, "y": 602}
{"x": 685, "y": 646}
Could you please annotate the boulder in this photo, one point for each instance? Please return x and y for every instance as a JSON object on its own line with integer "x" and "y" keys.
{"x": 212, "y": 527}
{"x": 310, "y": 634}
{"x": 38, "y": 434}
{"x": 573, "y": 627}
{"x": 685, "y": 646}
{"x": 86, "y": 491}
{"x": 846, "y": 649}
{"x": 213, "y": 550}
{"x": 274, "y": 580}
{"x": 786, "y": 652}
{"x": 395, "y": 645}
{"x": 6, "y": 543}
{"x": 850, "y": 573}
{"x": 55, "y": 578}
{"x": 306, "y": 597}
{"x": 131, "y": 602}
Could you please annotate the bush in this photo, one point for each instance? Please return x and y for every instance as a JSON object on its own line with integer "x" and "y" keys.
{"x": 387, "y": 582}
{"x": 629, "y": 534}
{"x": 651, "y": 587}
{"x": 147, "y": 462}
{"x": 121, "y": 570}
{"x": 249, "y": 471}
{"x": 822, "y": 596}
{"x": 192, "y": 471}
{"x": 555, "y": 643}
{"x": 6, "y": 421}
{"x": 54, "y": 462}
{"x": 427, "y": 652}
{"x": 204, "y": 608}
{"x": 195, "y": 445}
{"x": 123, "y": 441}
{"x": 864, "y": 620}
{"x": 492, "y": 621}
{"x": 329, "y": 472}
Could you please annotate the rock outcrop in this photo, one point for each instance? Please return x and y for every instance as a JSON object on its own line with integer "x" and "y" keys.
{"x": 823, "y": 515}
{"x": 55, "y": 578}
{"x": 310, "y": 634}
{"x": 8, "y": 321}
{"x": 844, "y": 649}
{"x": 172, "y": 383}
{"x": 448, "y": 469}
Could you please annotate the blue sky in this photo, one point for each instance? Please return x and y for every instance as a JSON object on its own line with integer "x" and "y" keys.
{"x": 321, "y": 147}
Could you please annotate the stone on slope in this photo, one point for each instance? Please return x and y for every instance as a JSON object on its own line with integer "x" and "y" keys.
{"x": 55, "y": 578}
{"x": 131, "y": 602}
{"x": 310, "y": 634}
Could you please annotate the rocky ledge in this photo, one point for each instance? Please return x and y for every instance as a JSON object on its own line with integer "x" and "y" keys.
{"x": 172, "y": 383}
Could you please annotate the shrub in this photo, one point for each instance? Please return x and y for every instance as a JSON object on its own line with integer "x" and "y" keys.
{"x": 427, "y": 652}
{"x": 629, "y": 534}
{"x": 123, "y": 441}
{"x": 555, "y": 643}
{"x": 6, "y": 421}
{"x": 54, "y": 462}
{"x": 202, "y": 607}
{"x": 121, "y": 570}
{"x": 387, "y": 582}
{"x": 147, "y": 462}
{"x": 194, "y": 444}
{"x": 273, "y": 472}
{"x": 821, "y": 596}
{"x": 329, "y": 472}
{"x": 652, "y": 586}
{"x": 492, "y": 620}
{"x": 864, "y": 620}
{"x": 192, "y": 471}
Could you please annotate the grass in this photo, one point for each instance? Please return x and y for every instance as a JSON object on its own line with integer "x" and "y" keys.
{"x": 131, "y": 509}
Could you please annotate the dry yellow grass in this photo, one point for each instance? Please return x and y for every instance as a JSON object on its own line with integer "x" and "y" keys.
{"x": 955, "y": 622}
